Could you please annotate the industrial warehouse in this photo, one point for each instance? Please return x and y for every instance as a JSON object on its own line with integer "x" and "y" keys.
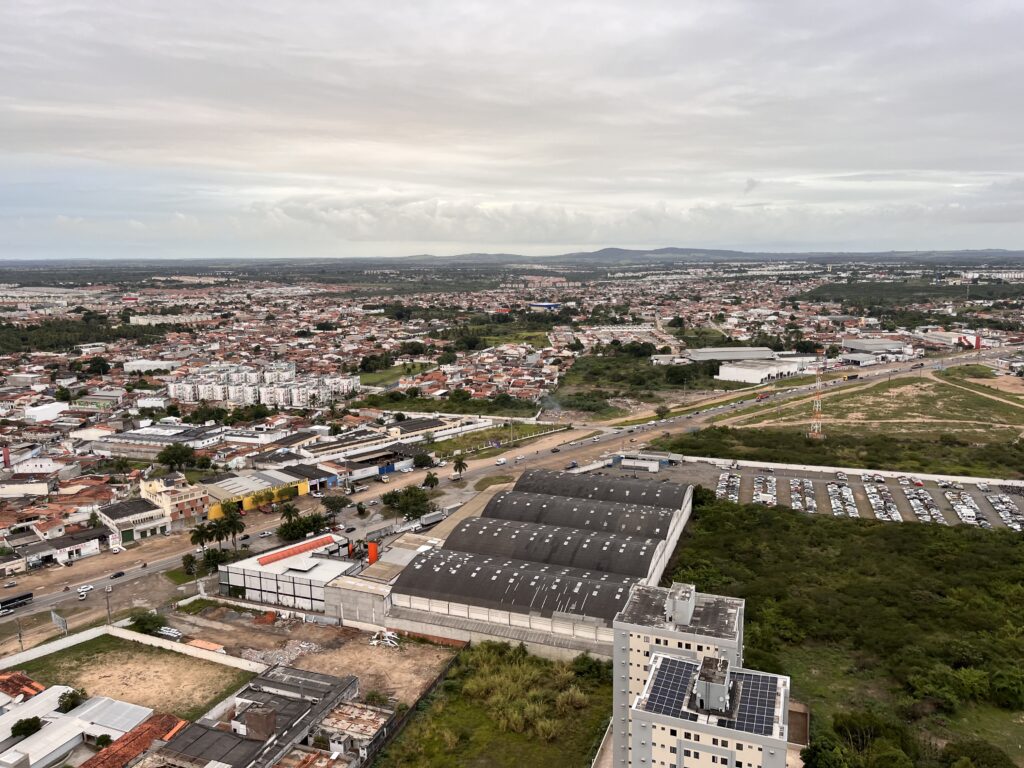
{"x": 549, "y": 563}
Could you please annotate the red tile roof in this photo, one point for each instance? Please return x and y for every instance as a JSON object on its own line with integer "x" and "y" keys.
{"x": 136, "y": 741}
{"x": 19, "y": 684}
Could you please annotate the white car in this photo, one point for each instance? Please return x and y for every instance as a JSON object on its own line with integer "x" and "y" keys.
{"x": 406, "y": 471}
{"x": 6, "y": 611}
{"x": 265, "y": 534}
{"x": 86, "y": 588}
{"x": 116, "y": 550}
{"x": 82, "y": 595}
{"x": 520, "y": 457}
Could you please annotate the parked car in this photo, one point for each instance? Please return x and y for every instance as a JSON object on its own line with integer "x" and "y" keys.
{"x": 243, "y": 537}
{"x": 350, "y": 529}
{"x": 6, "y": 611}
{"x": 500, "y": 462}
{"x": 10, "y": 584}
{"x": 82, "y": 595}
{"x": 118, "y": 550}
{"x": 556, "y": 449}
{"x": 265, "y": 534}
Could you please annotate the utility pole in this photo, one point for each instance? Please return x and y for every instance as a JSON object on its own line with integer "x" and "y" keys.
{"x": 21, "y": 638}
{"x": 107, "y": 595}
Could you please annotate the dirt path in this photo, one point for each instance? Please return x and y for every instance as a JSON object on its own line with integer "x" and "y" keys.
{"x": 931, "y": 375}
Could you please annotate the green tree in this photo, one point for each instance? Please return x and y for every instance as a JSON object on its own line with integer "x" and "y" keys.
{"x": 334, "y": 505}
{"x": 145, "y": 622}
{"x": 70, "y": 699}
{"x": 94, "y": 520}
{"x": 290, "y": 513}
{"x": 188, "y": 563}
{"x": 98, "y": 366}
{"x": 63, "y": 394}
{"x": 103, "y": 740}
{"x": 233, "y": 522}
{"x": 661, "y": 411}
{"x": 431, "y": 480}
{"x": 422, "y": 460}
{"x": 201, "y": 535}
{"x": 26, "y": 727}
{"x": 411, "y": 502}
{"x": 176, "y": 455}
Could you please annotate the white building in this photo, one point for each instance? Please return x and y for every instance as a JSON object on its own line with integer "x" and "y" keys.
{"x": 757, "y": 371}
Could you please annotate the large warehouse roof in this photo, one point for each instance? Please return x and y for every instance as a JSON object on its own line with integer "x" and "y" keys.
{"x": 557, "y": 545}
{"x": 623, "y": 490}
{"x": 586, "y": 514}
{"x": 514, "y": 585}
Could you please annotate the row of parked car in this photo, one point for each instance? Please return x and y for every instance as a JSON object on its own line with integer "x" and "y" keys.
{"x": 840, "y": 498}
{"x": 1007, "y": 510}
{"x": 801, "y": 495}
{"x": 766, "y": 490}
{"x": 923, "y": 505}
{"x": 882, "y": 503}
{"x": 966, "y": 508}
{"x": 728, "y": 487}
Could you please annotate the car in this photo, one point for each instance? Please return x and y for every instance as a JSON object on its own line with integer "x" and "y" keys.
{"x": 500, "y": 462}
{"x": 243, "y": 537}
{"x": 373, "y": 502}
{"x": 520, "y": 457}
{"x": 594, "y": 439}
{"x": 406, "y": 471}
{"x": 6, "y": 611}
{"x": 632, "y": 439}
{"x": 10, "y": 584}
{"x": 117, "y": 574}
{"x": 200, "y": 551}
{"x": 266, "y": 534}
{"x": 316, "y": 495}
{"x": 86, "y": 588}
{"x": 82, "y": 595}
{"x": 556, "y": 449}
{"x": 350, "y": 529}
{"x": 118, "y": 550}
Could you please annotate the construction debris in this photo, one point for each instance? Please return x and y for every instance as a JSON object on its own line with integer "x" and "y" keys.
{"x": 286, "y": 655}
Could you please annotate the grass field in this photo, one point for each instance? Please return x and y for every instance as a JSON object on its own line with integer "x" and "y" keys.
{"x": 908, "y": 401}
{"x": 536, "y": 339}
{"x": 387, "y": 376}
{"x": 484, "y": 483}
{"x": 473, "y": 441}
{"x": 502, "y": 708}
{"x": 140, "y": 674}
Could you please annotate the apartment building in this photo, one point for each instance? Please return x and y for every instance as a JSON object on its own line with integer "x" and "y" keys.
{"x": 681, "y": 695}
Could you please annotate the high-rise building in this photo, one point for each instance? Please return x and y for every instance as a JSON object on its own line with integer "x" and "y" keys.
{"x": 681, "y": 695}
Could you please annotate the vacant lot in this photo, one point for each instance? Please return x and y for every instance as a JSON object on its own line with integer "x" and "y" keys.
{"x": 140, "y": 674}
{"x": 502, "y": 708}
{"x": 908, "y": 401}
{"x": 403, "y": 673}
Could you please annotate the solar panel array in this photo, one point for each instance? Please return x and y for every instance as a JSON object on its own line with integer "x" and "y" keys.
{"x": 756, "y": 713}
{"x": 671, "y": 688}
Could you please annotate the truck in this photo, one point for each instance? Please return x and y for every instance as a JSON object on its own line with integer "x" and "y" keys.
{"x": 764, "y": 395}
{"x": 360, "y": 488}
{"x": 432, "y": 518}
{"x": 851, "y": 376}
{"x": 15, "y": 601}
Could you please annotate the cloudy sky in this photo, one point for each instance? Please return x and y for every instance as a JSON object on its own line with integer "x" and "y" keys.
{"x": 227, "y": 128}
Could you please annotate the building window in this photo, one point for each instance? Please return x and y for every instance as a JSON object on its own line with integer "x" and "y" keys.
{"x": 725, "y": 742}
{"x": 686, "y": 753}
{"x": 700, "y": 647}
{"x": 687, "y": 646}
{"x": 672, "y": 732}
{"x": 715, "y": 742}
{"x": 672, "y": 750}
{"x": 739, "y": 746}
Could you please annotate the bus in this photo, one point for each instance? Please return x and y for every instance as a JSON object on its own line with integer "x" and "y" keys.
{"x": 15, "y": 601}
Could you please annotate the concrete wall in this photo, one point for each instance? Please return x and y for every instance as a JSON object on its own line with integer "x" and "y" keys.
{"x": 70, "y": 641}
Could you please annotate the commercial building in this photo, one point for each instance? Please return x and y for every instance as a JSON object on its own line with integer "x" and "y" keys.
{"x": 757, "y": 371}
{"x": 291, "y": 577}
{"x": 135, "y": 519}
{"x": 681, "y": 696}
{"x": 725, "y": 354}
{"x": 182, "y": 503}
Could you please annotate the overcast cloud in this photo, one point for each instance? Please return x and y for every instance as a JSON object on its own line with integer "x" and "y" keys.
{"x": 230, "y": 128}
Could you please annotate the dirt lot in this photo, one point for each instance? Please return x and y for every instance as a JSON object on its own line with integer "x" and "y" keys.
{"x": 1011, "y": 384}
{"x": 151, "y": 677}
{"x": 404, "y": 673}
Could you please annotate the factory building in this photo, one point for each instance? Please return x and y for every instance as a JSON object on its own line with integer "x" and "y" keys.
{"x": 681, "y": 695}
{"x": 757, "y": 371}
{"x": 548, "y": 564}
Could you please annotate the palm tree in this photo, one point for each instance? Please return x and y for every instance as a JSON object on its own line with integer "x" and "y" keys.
{"x": 460, "y": 465}
{"x": 220, "y": 530}
{"x": 233, "y": 526}
{"x": 201, "y": 535}
{"x": 430, "y": 481}
{"x": 289, "y": 513}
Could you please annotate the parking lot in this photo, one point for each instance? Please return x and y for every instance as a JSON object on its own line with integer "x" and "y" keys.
{"x": 865, "y": 495}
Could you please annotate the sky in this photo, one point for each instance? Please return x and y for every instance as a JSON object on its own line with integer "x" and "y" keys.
{"x": 222, "y": 128}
